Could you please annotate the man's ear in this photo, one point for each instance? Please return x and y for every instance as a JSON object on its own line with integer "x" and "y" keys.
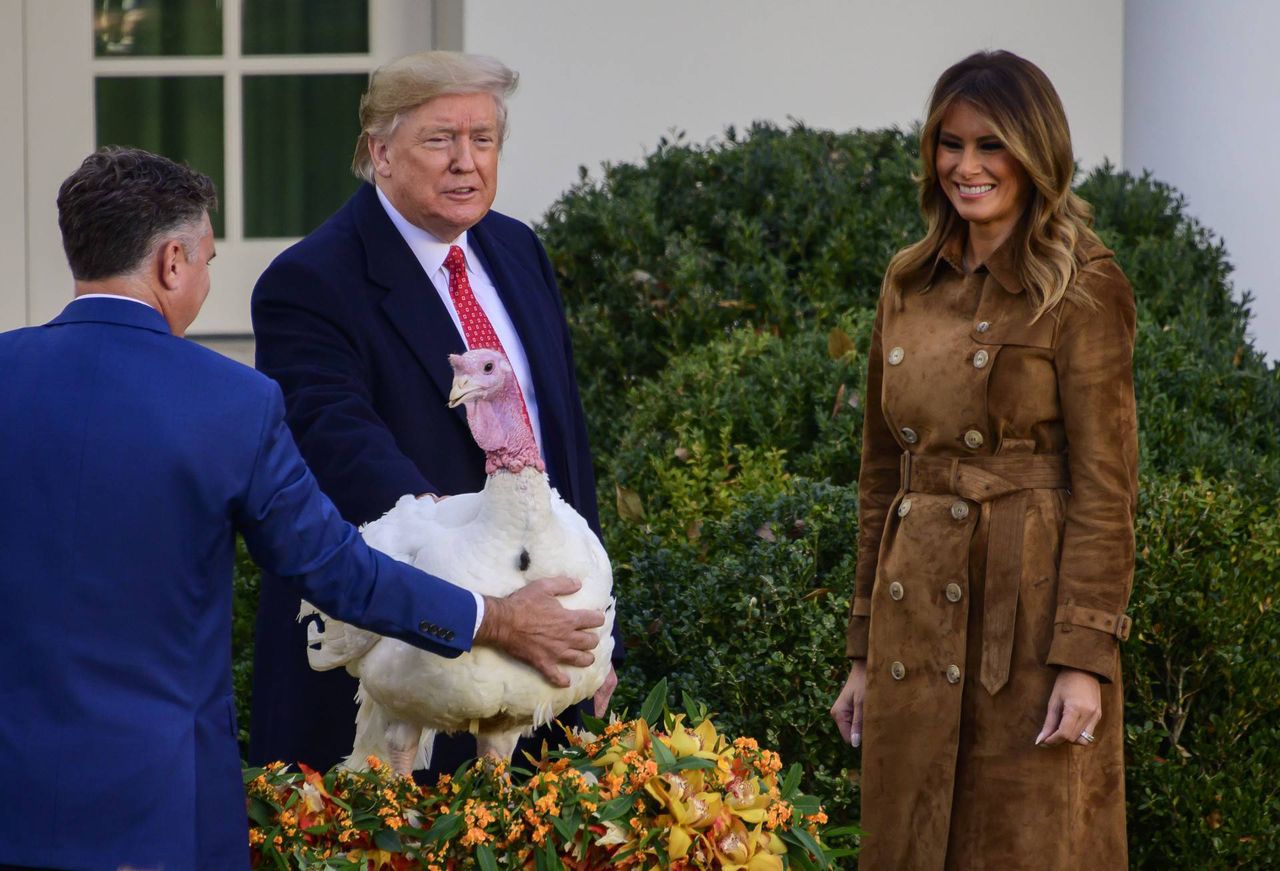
{"x": 378, "y": 154}
{"x": 172, "y": 258}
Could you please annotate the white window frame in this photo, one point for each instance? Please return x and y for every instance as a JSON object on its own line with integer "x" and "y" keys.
{"x": 58, "y": 103}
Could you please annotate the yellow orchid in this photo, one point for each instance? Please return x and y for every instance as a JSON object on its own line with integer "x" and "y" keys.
{"x": 746, "y": 800}
{"x": 754, "y": 850}
{"x": 632, "y": 804}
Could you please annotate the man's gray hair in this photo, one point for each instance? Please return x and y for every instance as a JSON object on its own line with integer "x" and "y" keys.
{"x": 405, "y": 83}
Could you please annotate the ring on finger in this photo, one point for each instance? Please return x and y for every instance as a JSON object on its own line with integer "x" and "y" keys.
{"x": 1086, "y": 737}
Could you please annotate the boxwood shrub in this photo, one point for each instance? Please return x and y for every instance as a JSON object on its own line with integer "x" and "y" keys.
{"x": 702, "y": 278}
{"x": 708, "y": 289}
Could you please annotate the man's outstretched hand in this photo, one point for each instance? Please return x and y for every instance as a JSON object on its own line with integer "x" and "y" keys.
{"x": 534, "y": 627}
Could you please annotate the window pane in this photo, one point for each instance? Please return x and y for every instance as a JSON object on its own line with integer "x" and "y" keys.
{"x": 177, "y": 116}
{"x": 305, "y": 26}
{"x": 144, "y": 28}
{"x": 299, "y": 134}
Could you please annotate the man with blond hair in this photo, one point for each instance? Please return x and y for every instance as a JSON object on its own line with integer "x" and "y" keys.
{"x": 356, "y": 323}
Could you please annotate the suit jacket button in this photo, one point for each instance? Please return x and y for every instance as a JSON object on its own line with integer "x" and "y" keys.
{"x": 895, "y": 355}
{"x": 895, "y": 591}
{"x": 954, "y": 593}
{"x": 980, "y": 359}
{"x": 959, "y": 509}
{"x": 983, "y": 326}
{"x": 898, "y": 670}
{"x": 909, "y": 435}
{"x": 448, "y": 635}
{"x": 973, "y": 439}
{"x": 424, "y": 627}
{"x": 903, "y": 507}
{"x": 953, "y": 674}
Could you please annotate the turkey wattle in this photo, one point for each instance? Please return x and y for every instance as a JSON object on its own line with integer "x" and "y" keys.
{"x": 493, "y": 542}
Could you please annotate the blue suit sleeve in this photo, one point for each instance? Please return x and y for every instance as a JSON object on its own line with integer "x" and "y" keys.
{"x": 303, "y": 344}
{"x": 293, "y": 531}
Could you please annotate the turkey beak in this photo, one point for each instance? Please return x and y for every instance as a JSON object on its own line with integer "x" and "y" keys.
{"x": 462, "y": 388}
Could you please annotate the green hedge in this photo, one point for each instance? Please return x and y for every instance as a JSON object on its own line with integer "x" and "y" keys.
{"x": 714, "y": 291}
{"x": 725, "y": 267}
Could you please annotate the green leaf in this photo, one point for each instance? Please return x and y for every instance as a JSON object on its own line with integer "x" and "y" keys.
{"x": 594, "y": 725}
{"x": 654, "y": 703}
{"x": 615, "y": 809}
{"x": 662, "y": 755}
{"x": 444, "y": 828}
{"x": 260, "y": 812}
{"x": 564, "y": 828}
{"x": 805, "y": 841}
{"x": 799, "y": 859}
{"x": 792, "y": 782}
{"x": 389, "y": 840}
{"x": 806, "y": 805}
{"x": 691, "y": 763}
{"x": 485, "y": 858}
{"x": 690, "y": 708}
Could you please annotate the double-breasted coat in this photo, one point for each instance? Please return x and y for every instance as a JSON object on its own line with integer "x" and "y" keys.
{"x": 997, "y": 495}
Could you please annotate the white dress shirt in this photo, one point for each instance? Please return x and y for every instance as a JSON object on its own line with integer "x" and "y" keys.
{"x": 431, "y": 253}
{"x": 112, "y": 296}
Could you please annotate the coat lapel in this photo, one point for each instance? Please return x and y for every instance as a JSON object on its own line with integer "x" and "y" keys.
{"x": 411, "y": 302}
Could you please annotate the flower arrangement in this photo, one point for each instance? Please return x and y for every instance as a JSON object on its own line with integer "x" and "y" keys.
{"x": 674, "y": 795}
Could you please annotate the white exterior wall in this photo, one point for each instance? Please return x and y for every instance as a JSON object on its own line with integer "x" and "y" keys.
{"x": 603, "y": 80}
{"x": 1202, "y": 111}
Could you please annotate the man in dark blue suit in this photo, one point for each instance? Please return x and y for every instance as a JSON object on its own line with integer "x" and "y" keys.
{"x": 356, "y": 323}
{"x": 129, "y": 459}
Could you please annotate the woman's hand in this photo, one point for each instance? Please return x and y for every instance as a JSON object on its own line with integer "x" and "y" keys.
{"x": 847, "y": 710}
{"x": 1075, "y": 707}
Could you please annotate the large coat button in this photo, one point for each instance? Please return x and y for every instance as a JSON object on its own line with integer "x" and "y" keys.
{"x": 895, "y": 591}
{"x": 903, "y": 507}
{"x": 973, "y": 439}
{"x": 960, "y": 509}
{"x": 983, "y": 326}
{"x": 898, "y": 670}
{"x": 954, "y": 593}
{"x": 909, "y": 435}
{"x": 953, "y": 673}
{"x": 980, "y": 359}
{"x": 895, "y": 355}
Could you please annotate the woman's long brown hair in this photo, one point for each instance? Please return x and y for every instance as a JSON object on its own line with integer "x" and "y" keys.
{"x": 1019, "y": 103}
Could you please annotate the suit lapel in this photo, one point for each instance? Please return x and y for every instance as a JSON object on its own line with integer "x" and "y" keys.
{"x": 521, "y": 292}
{"x": 411, "y": 302}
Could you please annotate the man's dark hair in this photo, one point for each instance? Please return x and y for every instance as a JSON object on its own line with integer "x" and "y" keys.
{"x": 118, "y": 205}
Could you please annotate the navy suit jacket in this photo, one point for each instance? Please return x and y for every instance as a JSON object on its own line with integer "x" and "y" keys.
{"x": 356, "y": 335}
{"x": 129, "y": 459}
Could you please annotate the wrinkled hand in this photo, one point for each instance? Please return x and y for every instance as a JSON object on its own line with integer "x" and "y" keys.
{"x": 605, "y": 693}
{"x": 847, "y": 710}
{"x": 534, "y": 627}
{"x": 1075, "y": 706}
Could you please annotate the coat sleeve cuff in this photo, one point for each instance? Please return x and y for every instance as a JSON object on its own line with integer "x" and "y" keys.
{"x": 858, "y": 631}
{"x": 1088, "y": 639}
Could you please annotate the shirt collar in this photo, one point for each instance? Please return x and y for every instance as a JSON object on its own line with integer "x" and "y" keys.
{"x": 1000, "y": 264}
{"x": 429, "y": 250}
{"x": 112, "y": 296}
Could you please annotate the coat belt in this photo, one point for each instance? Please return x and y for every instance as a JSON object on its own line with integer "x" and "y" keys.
{"x": 1003, "y": 483}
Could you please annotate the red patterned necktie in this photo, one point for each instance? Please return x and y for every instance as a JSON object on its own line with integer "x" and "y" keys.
{"x": 477, "y": 330}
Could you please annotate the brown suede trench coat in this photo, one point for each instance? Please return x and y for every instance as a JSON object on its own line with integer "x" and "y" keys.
{"x": 997, "y": 495}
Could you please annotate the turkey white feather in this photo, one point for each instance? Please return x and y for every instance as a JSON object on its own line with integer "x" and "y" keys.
{"x": 494, "y": 542}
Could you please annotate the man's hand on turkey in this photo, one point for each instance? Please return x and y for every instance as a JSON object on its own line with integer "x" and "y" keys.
{"x": 532, "y": 625}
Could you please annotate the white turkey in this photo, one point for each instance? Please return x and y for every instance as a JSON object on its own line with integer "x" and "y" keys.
{"x": 493, "y": 542}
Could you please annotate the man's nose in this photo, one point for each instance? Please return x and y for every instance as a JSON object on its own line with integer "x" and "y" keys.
{"x": 463, "y": 159}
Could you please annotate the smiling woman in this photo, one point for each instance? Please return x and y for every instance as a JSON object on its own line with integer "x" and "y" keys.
{"x": 996, "y": 498}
